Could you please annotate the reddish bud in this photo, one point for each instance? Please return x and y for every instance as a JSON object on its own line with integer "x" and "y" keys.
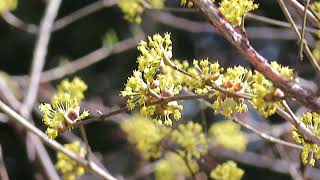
{"x": 167, "y": 93}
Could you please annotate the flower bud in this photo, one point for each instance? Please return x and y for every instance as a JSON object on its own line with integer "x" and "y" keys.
{"x": 167, "y": 93}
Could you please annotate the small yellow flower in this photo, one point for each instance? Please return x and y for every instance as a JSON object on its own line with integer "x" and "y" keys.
{"x": 228, "y": 134}
{"x": 133, "y": 9}
{"x": 227, "y": 171}
{"x": 151, "y": 83}
{"x": 173, "y": 166}
{"x": 234, "y": 80}
{"x": 157, "y": 51}
{"x": 191, "y": 139}
{"x": 265, "y": 100}
{"x": 61, "y": 114}
{"x": 310, "y": 151}
{"x": 69, "y": 168}
{"x": 235, "y": 10}
{"x": 146, "y": 135}
{"x": 75, "y": 88}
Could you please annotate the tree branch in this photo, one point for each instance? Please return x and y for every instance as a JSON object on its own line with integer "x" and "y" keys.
{"x": 291, "y": 88}
{"x": 39, "y": 55}
{"x": 54, "y": 144}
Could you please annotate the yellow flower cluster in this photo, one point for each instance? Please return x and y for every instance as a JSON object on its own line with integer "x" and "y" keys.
{"x": 69, "y": 168}
{"x": 75, "y": 88}
{"x": 8, "y": 5}
{"x": 227, "y": 171}
{"x": 133, "y": 9}
{"x": 146, "y": 135}
{"x": 154, "y": 53}
{"x": 310, "y": 151}
{"x": 266, "y": 99}
{"x": 235, "y": 10}
{"x": 150, "y": 138}
{"x": 205, "y": 77}
{"x": 205, "y": 73}
{"x": 233, "y": 80}
{"x": 158, "y": 77}
{"x": 178, "y": 78}
{"x": 316, "y": 7}
{"x": 173, "y": 167}
{"x": 228, "y": 134}
{"x": 64, "y": 109}
{"x": 190, "y": 139}
{"x": 149, "y": 83}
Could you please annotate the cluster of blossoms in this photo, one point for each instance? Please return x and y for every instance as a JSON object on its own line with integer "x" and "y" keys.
{"x": 191, "y": 140}
{"x": 64, "y": 110}
{"x": 187, "y": 140}
{"x": 228, "y": 134}
{"x": 267, "y": 96}
{"x": 69, "y": 167}
{"x": 8, "y": 5}
{"x": 227, "y": 171}
{"x": 149, "y": 83}
{"x": 232, "y": 86}
{"x": 235, "y": 10}
{"x": 133, "y": 9}
{"x": 316, "y": 7}
{"x": 310, "y": 151}
{"x": 146, "y": 135}
{"x": 173, "y": 166}
{"x": 159, "y": 77}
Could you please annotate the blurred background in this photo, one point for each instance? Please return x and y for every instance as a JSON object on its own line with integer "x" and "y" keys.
{"x": 193, "y": 38}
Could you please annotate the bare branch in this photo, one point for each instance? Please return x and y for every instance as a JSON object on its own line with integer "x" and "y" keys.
{"x": 39, "y": 55}
{"x": 83, "y": 12}
{"x": 9, "y": 18}
{"x": 89, "y": 59}
{"x": 300, "y": 9}
{"x": 299, "y": 37}
{"x": 3, "y": 170}
{"x": 266, "y": 136}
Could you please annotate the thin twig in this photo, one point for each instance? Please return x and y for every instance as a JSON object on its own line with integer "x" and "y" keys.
{"x": 274, "y": 22}
{"x": 3, "y": 170}
{"x": 294, "y": 27}
{"x": 39, "y": 55}
{"x": 35, "y": 146}
{"x": 201, "y": 27}
{"x": 85, "y": 140}
{"x": 12, "y": 20}
{"x": 266, "y": 136}
{"x": 250, "y": 16}
{"x": 163, "y": 101}
{"x": 303, "y": 30}
{"x": 300, "y": 9}
{"x": 89, "y": 59}
{"x": 83, "y": 12}
{"x": 301, "y": 127}
{"x": 293, "y": 169}
{"x": 54, "y": 144}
